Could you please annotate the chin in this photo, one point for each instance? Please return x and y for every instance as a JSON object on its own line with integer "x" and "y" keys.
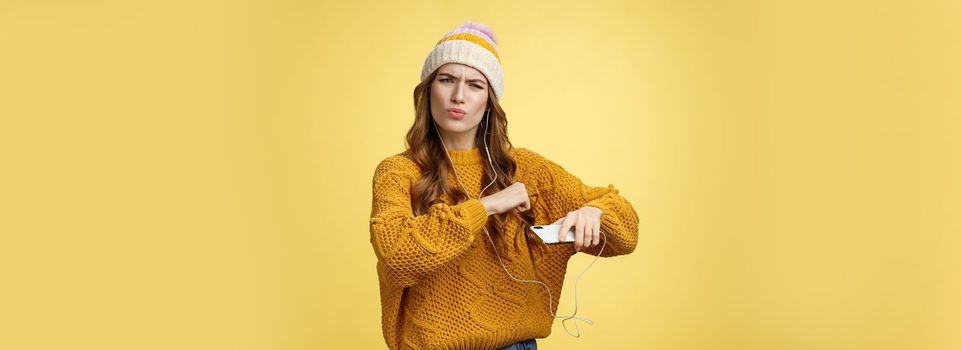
{"x": 455, "y": 126}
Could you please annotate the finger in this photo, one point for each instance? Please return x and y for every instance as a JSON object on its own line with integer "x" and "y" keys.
{"x": 527, "y": 204}
{"x": 566, "y": 225}
{"x": 597, "y": 232}
{"x": 588, "y": 235}
{"x": 579, "y": 234}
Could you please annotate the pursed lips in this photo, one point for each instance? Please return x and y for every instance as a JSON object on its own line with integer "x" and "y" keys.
{"x": 457, "y": 112}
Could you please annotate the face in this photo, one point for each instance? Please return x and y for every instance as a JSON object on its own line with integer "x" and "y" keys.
{"x": 458, "y": 98}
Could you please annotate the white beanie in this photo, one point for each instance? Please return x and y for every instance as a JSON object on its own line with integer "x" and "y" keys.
{"x": 471, "y": 44}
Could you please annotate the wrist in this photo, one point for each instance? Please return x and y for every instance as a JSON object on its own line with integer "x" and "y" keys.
{"x": 487, "y": 207}
{"x": 596, "y": 209}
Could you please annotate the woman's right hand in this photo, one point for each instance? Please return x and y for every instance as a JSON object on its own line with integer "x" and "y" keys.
{"x": 514, "y": 196}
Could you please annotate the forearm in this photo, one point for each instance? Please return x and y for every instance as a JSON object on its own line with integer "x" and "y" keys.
{"x": 410, "y": 247}
{"x": 619, "y": 224}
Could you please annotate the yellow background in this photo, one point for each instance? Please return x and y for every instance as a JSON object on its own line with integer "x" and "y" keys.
{"x": 196, "y": 174}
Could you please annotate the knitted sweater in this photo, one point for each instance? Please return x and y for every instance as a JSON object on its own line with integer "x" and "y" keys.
{"x": 441, "y": 285}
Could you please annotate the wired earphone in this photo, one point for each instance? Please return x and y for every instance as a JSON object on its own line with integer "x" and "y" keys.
{"x": 487, "y": 133}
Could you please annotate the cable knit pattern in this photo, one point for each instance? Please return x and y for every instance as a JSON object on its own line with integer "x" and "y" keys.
{"x": 441, "y": 285}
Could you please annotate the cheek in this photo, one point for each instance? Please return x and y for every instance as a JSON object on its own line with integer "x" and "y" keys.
{"x": 435, "y": 100}
{"x": 481, "y": 98}
{"x": 437, "y": 91}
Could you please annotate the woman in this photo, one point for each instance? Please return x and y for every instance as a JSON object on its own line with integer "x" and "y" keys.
{"x": 452, "y": 254}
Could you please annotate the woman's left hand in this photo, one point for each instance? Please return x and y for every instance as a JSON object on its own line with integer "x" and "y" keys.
{"x": 586, "y": 222}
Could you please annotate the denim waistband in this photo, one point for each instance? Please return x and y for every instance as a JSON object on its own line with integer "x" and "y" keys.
{"x": 529, "y": 344}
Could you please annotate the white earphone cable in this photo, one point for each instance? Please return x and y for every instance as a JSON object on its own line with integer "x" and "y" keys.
{"x": 549, "y": 295}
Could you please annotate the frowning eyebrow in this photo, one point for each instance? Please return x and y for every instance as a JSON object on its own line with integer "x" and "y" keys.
{"x": 469, "y": 80}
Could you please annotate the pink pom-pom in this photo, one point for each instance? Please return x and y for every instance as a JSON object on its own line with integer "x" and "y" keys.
{"x": 483, "y": 28}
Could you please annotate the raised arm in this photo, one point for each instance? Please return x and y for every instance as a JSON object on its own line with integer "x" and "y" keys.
{"x": 619, "y": 220}
{"x": 409, "y": 247}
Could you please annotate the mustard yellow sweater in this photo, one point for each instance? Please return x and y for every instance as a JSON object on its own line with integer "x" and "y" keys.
{"x": 441, "y": 285}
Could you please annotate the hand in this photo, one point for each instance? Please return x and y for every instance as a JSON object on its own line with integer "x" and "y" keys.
{"x": 587, "y": 227}
{"x": 514, "y": 196}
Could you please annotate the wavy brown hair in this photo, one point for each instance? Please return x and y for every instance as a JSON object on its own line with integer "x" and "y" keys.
{"x": 425, "y": 149}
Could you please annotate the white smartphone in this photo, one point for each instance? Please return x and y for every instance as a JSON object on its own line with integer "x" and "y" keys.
{"x": 548, "y": 233}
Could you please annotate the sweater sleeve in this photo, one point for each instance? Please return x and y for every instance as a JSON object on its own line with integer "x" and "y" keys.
{"x": 410, "y": 247}
{"x": 619, "y": 220}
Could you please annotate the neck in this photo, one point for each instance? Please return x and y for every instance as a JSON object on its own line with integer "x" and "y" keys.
{"x": 459, "y": 141}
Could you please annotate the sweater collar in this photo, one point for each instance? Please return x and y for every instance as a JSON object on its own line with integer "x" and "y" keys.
{"x": 465, "y": 157}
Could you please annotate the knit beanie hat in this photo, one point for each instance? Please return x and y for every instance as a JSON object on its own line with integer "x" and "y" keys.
{"x": 471, "y": 44}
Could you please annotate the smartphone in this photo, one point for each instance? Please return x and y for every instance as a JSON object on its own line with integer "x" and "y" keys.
{"x": 548, "y": 233}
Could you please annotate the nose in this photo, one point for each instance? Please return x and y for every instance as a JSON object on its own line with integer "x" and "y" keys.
{"x": 458, "y": 95}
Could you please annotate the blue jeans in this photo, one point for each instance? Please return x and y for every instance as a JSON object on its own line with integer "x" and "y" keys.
{"x": 529, "y": 344}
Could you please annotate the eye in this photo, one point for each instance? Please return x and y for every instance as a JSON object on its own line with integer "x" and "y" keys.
{"x": 477, "y": 86}
{"x": 444, "y": 80}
